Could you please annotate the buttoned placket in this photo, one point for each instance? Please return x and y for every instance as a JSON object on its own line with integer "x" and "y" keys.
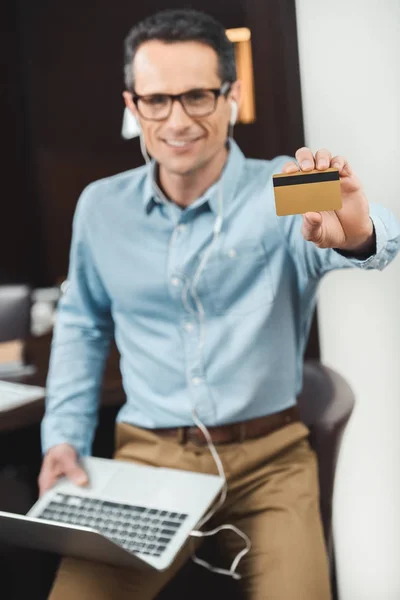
{"x": 189, "y": 320}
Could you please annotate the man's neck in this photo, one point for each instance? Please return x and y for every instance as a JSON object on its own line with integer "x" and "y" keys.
{"x": 183, "y": 190}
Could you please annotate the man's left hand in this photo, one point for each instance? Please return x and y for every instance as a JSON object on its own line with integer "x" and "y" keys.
{"x": 349, "y": 228}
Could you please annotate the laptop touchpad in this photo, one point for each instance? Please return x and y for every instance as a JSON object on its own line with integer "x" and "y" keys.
{"x": 133, "y": 484}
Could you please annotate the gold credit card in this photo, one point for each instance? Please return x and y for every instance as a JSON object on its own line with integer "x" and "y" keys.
{"x": 311, "y": 191}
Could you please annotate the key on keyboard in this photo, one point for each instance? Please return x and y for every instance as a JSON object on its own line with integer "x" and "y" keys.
{"x": 136, "y": 528}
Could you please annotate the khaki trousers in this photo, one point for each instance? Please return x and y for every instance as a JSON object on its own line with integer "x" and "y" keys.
{"x": 273, "y": 497}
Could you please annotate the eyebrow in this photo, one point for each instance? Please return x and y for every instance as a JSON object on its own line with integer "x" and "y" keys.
{"x": 189, "y": 89}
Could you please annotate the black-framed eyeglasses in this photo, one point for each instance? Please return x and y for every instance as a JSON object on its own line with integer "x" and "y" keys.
{"x": 197, "y": 102}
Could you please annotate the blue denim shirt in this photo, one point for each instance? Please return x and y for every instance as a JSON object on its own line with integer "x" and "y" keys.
{"x": 133, "y": 260}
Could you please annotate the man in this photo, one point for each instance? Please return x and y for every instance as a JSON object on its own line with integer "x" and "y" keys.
{"x": 210, "y": 297}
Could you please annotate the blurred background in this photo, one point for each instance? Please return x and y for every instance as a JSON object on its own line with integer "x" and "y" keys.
{"x": 62, "y": 110}
{"x": 326, "y": 75}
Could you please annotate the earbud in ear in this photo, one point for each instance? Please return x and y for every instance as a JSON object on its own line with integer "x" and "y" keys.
{"x": 234, "y": 112}
{"x": 130, "y": 125}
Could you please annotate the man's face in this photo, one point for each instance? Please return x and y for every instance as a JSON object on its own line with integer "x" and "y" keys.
{"x": 161, "y": 68}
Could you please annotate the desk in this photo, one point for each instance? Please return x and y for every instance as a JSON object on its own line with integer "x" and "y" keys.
{"x": 38, "y": 353}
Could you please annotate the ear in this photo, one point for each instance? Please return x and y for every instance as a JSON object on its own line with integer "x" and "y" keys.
{"x": 234, "y": 101}
{"x": 129, "y": 103}
{"x": 236, "y": 92}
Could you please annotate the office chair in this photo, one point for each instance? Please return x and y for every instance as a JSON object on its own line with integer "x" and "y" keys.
{"x": 15, "y": 311}
{"x": 325, "y": 403}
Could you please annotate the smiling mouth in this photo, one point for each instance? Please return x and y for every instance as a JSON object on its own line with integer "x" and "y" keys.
{"x": 181, "y": 143}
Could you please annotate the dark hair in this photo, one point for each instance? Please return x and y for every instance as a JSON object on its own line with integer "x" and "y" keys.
{"x": 181, "y": 25}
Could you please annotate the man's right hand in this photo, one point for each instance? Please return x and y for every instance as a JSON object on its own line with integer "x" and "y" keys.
{"x": 59, "y": 461}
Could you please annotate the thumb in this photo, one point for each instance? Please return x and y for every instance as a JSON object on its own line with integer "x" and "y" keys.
{"x": 312, "y": 227}
{"x": 75, "y": 472}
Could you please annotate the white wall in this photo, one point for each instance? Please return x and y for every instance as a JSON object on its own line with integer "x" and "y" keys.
{"x": 350, "y": 73}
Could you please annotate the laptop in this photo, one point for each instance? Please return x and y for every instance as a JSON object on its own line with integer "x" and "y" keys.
{"x": 128, "y": 516}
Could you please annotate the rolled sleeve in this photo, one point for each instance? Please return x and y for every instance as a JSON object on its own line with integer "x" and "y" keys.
{"x": 387, "y": 235}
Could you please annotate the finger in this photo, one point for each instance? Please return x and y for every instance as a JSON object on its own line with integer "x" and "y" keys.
{"x": 47, "y": 477}
{"x": 46, "y": 482}
{"x": 312, "y": 227}
{"x": 75, "y": 473}
{"x": 305, "y": 158}
{"x": 340, "y": 163}
{"x": 323, "y": 159}
{"x": 290, "y": 167}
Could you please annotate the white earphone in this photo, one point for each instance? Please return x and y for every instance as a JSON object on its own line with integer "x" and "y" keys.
{"x": 130, "y": 125}
{"x": 234, "y": 112}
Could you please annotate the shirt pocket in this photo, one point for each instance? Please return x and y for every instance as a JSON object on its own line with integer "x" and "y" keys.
{"x": 238, "y": 280}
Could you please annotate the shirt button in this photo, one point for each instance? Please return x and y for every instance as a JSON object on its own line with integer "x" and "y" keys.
{"x": 196, "y": 380}
{"x": 175, "y": 281}
{"x": 232, "y": 253}
{"x": 188, "y": 327}
{"x": 181, "y": 227}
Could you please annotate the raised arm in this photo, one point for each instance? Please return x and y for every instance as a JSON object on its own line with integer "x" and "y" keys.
{"x": 360, "y": 234}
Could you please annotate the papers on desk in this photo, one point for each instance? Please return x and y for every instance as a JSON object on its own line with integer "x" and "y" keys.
{"x": 13, "y": 395}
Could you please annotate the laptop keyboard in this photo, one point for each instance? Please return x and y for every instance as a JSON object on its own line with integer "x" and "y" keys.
{"x": 135, "y": 528}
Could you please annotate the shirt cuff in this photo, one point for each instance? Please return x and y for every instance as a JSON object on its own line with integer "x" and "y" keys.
{"x": 379, "y": 260}
{"x": 53, "y": 434}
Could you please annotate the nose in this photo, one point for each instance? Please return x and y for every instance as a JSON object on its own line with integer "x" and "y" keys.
{"x": 178, "y": 119}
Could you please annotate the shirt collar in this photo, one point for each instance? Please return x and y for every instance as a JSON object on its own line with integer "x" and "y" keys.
{"x": 230, "y": 178}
